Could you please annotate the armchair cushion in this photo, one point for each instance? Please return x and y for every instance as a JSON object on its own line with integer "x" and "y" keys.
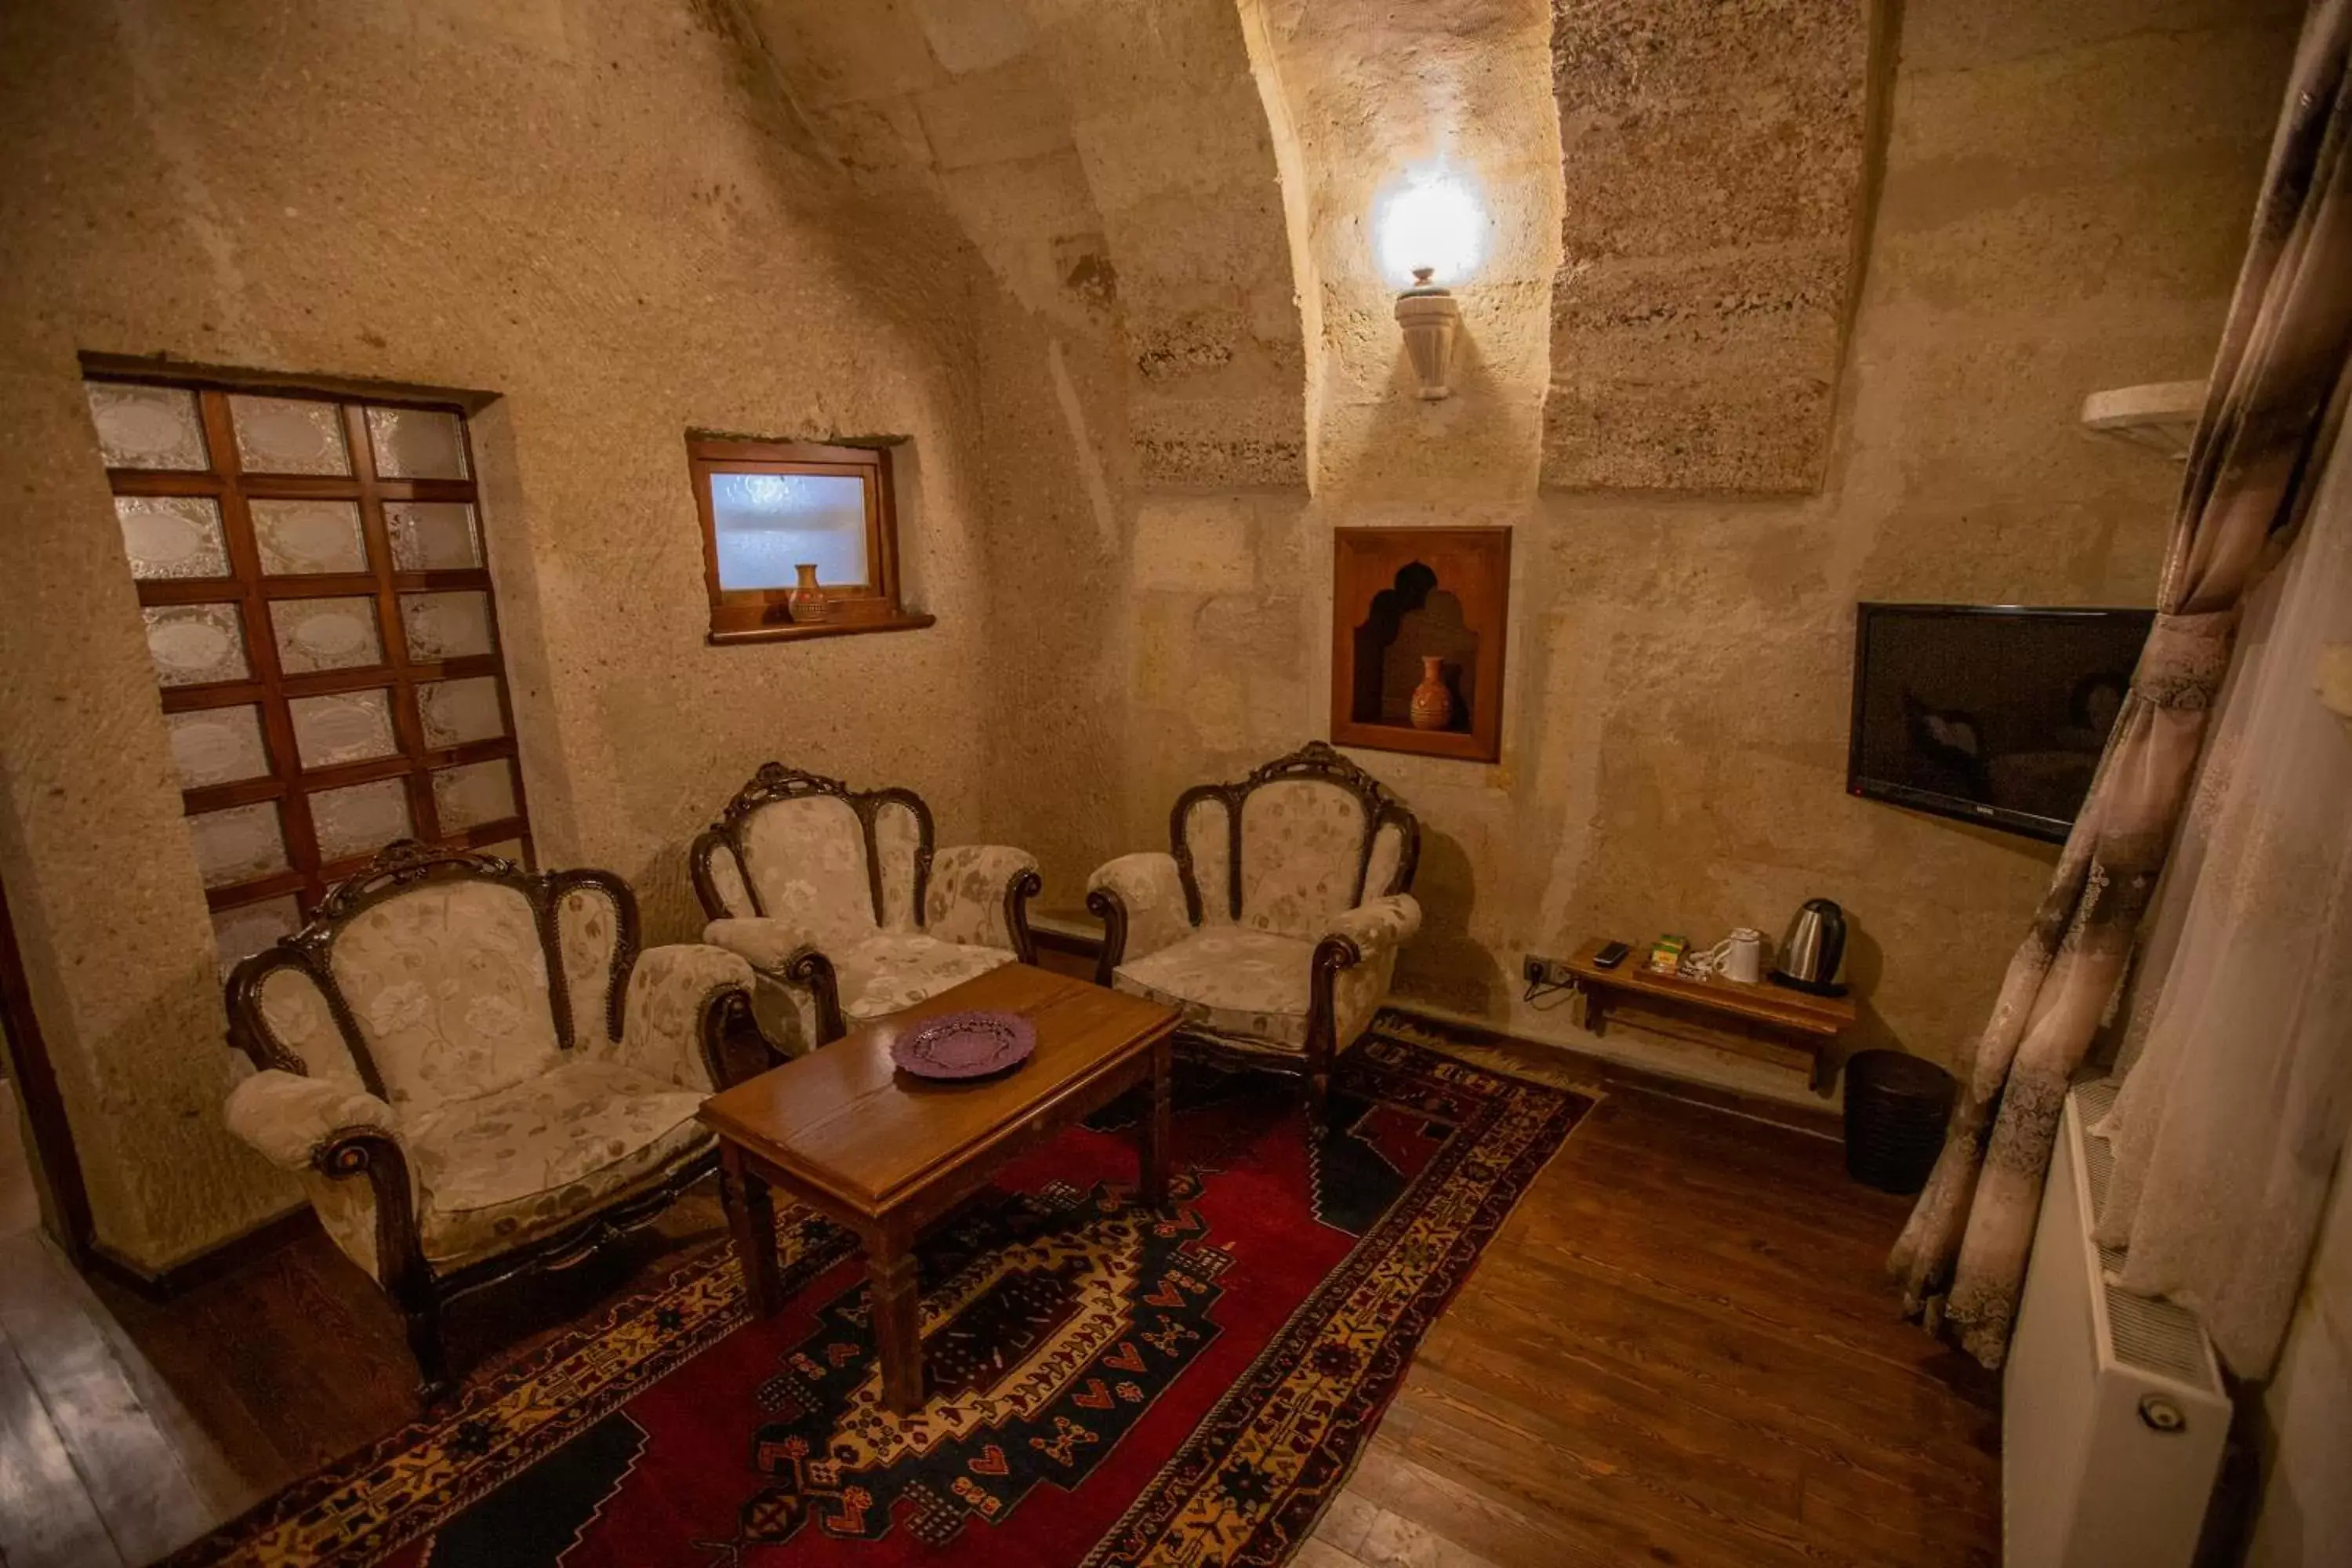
{"x": 890, "y": 970}
{"x": 526, "y": 1160}
{"x": 1153, "y": 895}
{"x": 966, "y": 899}
{"x": 448, "y": 982}
{"x": 1381, "y": 924}
{"x": 765, "y": 943}
{"x": 1302, "y": 848}
{"x": 807, "y": 860}
{"x": 668, "y": 991}
{"x": 1232, "y": 981}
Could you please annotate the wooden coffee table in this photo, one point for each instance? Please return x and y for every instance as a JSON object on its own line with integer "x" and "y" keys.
{"x": 845, "y": 1131}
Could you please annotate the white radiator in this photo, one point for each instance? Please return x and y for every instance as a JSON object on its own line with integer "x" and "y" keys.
{"x": 2112, "y": 1412}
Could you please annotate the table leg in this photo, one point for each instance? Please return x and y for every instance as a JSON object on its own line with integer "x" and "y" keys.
{"x": 1153, "y": 1133}
{"x": 752, "y": 1219}
{"x": 898, "y": 1324}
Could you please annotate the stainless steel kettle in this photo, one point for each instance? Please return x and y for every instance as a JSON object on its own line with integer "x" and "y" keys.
{"x": 1812, "y": 957}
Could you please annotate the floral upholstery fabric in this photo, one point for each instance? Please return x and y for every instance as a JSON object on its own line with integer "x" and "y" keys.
{"x": 806, "y": 858}
{"x": 448, "y": 982}
{"x": 1302, "y": 847}
{"x": 764, "y": 944}
{"x": 524, "y": 1160}
{"x": 669, "y": 990}
{"x": 289, "y": 1118}
{"x": 888, "y": 972}
{"x": 1231, "y": 981}
{"x": 726, "y": 875}
{"x": 1379, "y": 929}
{"x": 1209, "y": 837}
{"x": 1153, "y": 894}
{"x": 898, "y": 835}
{"x": 295, "y": 1011}
{"x": 965, "y": 900}
{"x": 588, "y": 933}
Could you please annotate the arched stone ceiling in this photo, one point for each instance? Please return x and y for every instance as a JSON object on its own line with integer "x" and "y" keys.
{"x": 1716, "y": 163}
{"x": 1110, "y": 162}
{"x": 1364, "y": 92}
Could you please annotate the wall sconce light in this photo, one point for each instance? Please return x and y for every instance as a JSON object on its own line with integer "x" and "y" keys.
{"x": 1430, "y": 319}
{"x": 1431, "y": 228}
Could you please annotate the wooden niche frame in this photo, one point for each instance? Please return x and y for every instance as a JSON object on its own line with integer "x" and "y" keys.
{"x": 1413, "y": 567}
{"x": 765, "y": 614}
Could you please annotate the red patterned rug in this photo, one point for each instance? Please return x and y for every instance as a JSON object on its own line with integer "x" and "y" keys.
{"x": 1109, "y": 1387}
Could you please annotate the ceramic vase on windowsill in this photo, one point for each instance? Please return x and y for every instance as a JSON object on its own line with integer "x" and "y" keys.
{"x": 810, "y": 606}
{"x": 1433, "y": 705}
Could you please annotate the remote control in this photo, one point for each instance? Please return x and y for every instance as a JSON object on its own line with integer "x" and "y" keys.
{"x": 1611, "y": 956}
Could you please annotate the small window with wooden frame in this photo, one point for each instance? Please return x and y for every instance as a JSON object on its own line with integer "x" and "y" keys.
{"x": 319, "y": 610}
{"x": 799, "y": 539}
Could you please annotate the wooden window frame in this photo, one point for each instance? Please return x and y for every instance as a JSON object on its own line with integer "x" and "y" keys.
{"x": 765, "y": 614}
{"x": 289, "y": 784}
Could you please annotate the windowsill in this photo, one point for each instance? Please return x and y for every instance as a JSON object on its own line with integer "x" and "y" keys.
{"x": 904, "y": 622}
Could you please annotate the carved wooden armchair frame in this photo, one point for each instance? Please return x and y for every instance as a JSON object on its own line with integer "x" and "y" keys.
{"x": 1334, "y": 953}
{"x": 366, "y": 1149}
{"x": 806, "y": 965}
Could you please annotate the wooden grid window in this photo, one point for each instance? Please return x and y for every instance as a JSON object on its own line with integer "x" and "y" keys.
{"x": 319, "y": 609}
{"x": 770, "y": 508}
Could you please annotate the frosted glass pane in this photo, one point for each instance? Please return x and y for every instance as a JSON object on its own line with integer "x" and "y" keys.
{"x": 217, "y": 745}
{"x": 432, "y": 535}
{"x": 171, "y": 536}
{"x": 473, "y": 794}
{"x": 240, "y": 932}
{"x": 768, "y": 523}
{"x": 325, "y": 634}
{"x": 346, "y": 727}
{"x": 147, "y": 427}
{"x": 457, "y": 711}
{"x": 445, "y": 626}
{"x": 360, "y": 819}
{"x": 416, "y": 443}
{"x": 195, "y": 644}
{"x": 298, "y": 536}
{"x": 237, "y": 845}
{"x": 289, "y": 435}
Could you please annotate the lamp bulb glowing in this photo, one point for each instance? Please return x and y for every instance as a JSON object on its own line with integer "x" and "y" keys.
{"x": 1430, "y": 223}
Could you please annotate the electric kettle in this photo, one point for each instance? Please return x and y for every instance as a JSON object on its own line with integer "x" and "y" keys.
{"x": 1812, "y": 955}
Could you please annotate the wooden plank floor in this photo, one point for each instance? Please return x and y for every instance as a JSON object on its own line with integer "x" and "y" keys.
{"x": 1678, "y": 1351}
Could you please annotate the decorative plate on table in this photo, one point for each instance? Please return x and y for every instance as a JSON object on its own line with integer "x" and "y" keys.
{"x": 965, "y": 1045}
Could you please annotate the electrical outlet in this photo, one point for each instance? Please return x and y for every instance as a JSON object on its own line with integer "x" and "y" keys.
{"x": 1542, "y": 971}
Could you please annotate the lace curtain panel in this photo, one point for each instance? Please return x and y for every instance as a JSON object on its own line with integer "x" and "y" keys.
{"x": 1961, "y": 1258}
{"x": 2237, "y": 1049}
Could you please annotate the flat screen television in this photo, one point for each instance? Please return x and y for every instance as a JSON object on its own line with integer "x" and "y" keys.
{"x": 1992, "y": 713}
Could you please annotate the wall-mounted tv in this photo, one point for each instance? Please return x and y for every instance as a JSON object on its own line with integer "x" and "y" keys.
{"x": 1993, "y": 713}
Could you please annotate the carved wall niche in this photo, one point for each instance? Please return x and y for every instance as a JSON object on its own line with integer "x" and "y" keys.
{"x": 1399, "y": 598}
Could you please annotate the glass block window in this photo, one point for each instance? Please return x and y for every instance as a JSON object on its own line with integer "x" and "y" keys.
{"x": 318, "y": 606}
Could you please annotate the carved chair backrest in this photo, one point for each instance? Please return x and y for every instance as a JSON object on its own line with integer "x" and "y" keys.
{"x": 829, "y": 861}
{"x": 439, "y": 976}
{"x": 1299, "y": 840}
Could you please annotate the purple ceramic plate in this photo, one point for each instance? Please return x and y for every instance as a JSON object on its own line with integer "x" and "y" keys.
{"x": 965, "y": 1045}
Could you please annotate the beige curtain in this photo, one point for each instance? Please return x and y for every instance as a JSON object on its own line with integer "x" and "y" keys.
{"x": 2238, "y": 1052}
{"x": 1962, "y": 1257}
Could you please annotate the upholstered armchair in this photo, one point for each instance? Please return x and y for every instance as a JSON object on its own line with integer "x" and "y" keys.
{"x": 1276, "y": 923}
{"x": 474, "y": 1071}
{"x": 838, "y": 900}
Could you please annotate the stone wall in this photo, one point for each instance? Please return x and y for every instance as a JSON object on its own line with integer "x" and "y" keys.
{"x": 604, "y": 213}
{"x": 2064, "y": 202}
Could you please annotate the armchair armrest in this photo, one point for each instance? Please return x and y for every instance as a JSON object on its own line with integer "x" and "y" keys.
{"x": 679, "y": 1000}
{"x": 1372, "y": 928}
{"x": 979, "y": 894}
{"x": 784, "y": 953}
{"x": 1140, "y": 899}
{"x": 295, "y": 1121}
